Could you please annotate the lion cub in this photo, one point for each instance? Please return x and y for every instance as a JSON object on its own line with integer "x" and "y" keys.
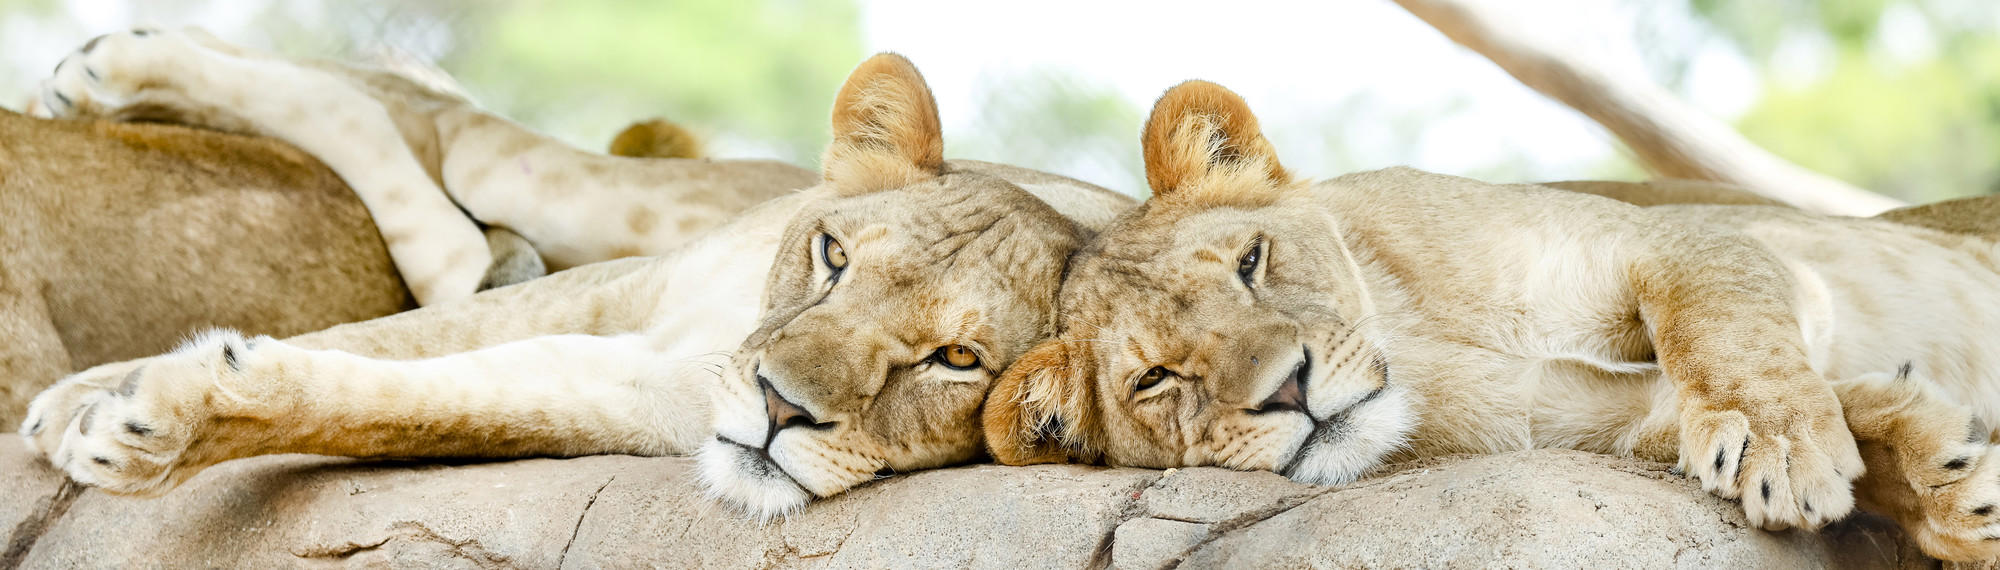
{"x": 421, "y": 157}
{"x": 1242, "y": 319}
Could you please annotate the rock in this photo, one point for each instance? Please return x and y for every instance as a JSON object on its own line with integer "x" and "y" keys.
{"x": 30, "y": 496}
{"x": 1538, "y": 509}
{"x": 1530, "y": 509}
{"x": 986, "y": 516}
{"x": 1149, "y": 542}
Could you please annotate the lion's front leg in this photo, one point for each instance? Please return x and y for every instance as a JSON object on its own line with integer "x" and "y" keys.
{"x": 439, "y": 251}
{"x": 223, "y": 397}
{"x": 1756, "y": 422}
{"x": 1930, "y": 465}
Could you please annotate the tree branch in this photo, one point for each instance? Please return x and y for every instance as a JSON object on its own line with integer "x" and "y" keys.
{"x": 1670, "y": 137}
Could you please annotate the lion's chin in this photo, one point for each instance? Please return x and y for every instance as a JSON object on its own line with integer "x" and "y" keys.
{"x": 741, "y": 477}
{"x": 1354, "y": 442}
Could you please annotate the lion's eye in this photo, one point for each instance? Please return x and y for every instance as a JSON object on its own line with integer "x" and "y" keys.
{"x": 1246, "y": 266}
{"x": 832, "y": 253}
{"x": 1153, "y": 377}
{"x": 957, "y": 357}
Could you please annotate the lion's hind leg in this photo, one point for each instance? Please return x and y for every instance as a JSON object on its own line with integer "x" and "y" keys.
{"x": 1930, "y": 465}
{"x": 439, "y": 251}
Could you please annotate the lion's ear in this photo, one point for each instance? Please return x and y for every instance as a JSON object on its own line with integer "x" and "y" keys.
{"x": 1037, "y": 411}
{"x": 1203, "y": 145}
{"x": 885, "y": 129}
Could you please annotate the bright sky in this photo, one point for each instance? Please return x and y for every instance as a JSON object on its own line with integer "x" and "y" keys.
{"x": 1294, "y": 59}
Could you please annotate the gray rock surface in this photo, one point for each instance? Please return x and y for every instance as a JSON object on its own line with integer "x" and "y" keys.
{"x": 1531, "y": 509}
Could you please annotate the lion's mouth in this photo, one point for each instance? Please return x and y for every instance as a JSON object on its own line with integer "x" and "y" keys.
{"x": 1335, "y": 428}
{"x": 1327, "y": 432}
{"x": 757, "y": 463}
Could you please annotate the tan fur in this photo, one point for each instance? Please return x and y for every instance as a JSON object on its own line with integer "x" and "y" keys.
{"x": 131, "y": 236}
{"x": 1231, "y": 146}
{"x": 122, "y": 238}
{"x": 1020, "y": 422}
{"x": 1931, "y": 466}
{"x": 889, "y": 131}
{"x": 1978, "y": 215}
{"x": 697, "y": 349}
{"x": 417, "y": 155}
{"x": 656, "y": 138}
{"x": 1410, "y": 314}
{"x": 1667, "y": 191}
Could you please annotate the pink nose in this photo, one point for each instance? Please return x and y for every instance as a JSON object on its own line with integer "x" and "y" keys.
{"x": 1291, "y": 395}
{"x": 783, "y": 412}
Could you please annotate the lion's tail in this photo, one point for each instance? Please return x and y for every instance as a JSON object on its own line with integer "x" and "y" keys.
{"x": 656, "y": 138}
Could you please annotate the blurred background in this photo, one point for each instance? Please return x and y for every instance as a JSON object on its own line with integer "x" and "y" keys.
{"x": 1898, "y": 96}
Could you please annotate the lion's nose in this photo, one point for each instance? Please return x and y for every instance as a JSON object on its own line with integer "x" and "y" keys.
{"x": 1291, "y": 395}
{"x": 783, "y": 413}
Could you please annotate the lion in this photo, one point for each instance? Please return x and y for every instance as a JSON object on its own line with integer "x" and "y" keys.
{"x": 126, "y": 236}
{"x": 430, "y": 165}
{"x": 1242, "y": 319}
{"x": 817, "y": 342}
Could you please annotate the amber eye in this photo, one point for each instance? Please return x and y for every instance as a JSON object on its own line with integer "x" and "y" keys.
{"x": 832, "y": 253}
{"x": 1246, "y": 266}
{"x": 958, "y": 357}
{"x": 1151, "y": 378}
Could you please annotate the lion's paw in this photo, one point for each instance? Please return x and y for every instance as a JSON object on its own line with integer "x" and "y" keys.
{"x": 1785, "y": 478}
{"x": 1961, "y": 519}
{"x": 53, "y": 409}
{"x": 111, "y": 71}
{"x": 133, "y": 434}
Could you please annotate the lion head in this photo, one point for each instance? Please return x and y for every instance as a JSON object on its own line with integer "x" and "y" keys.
{"x": 1222, "y": 323}
{"x": 892, "y": 305}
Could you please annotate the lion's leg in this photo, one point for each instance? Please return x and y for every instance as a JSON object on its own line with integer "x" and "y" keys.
{"x": 605, "y": 299}
{"x": 439, "y": 251}
{"x": 1930, "y": 465}
{"x": 606, "y": 207}
{"x": 610, "y": 298}
{"x": 223, "y": 397}
{"x": 1756, "y": 422}
{"x": 581, "y": 207}
{"x": 578, "y": 207}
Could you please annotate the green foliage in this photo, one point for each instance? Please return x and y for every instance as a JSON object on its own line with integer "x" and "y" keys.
{"x": 1757, "y": 26}
{"x": 1055, "y": 121}
{"x": 752, "y": 77}
{"x": 1922, "y": 131}
{"x": 36, "y": 8}
{"x": 761, "y": 70}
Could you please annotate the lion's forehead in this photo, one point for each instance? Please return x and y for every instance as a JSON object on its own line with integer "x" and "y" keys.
{"x": 997, "y": 263}
{"x": 993, "y": 239}
{"x": 994, "y": 310}
{"x": 951, "y": 229}
{"x": 1135, "y": 292}
{"x": 1138, "y": 314}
